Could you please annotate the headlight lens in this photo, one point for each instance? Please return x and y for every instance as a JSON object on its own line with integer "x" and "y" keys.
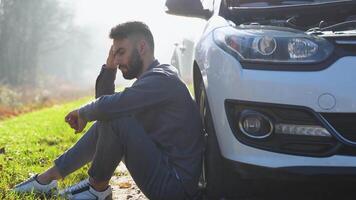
{"x": 301, "y": 48}
{"x": 273, "y": 45}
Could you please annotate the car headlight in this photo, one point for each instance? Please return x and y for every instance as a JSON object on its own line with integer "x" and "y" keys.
{"x": 273, "y": 45}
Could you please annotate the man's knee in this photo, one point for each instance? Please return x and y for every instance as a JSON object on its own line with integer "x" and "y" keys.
{"x": 120, "y": 126}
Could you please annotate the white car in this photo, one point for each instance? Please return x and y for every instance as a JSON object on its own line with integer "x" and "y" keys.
{"x": 276, "y": 86}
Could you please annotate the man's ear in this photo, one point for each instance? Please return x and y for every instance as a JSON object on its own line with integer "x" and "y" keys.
{"x": 142, "y": 47}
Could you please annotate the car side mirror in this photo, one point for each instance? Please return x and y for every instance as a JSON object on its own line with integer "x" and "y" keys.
{"x": 188, "y": 8}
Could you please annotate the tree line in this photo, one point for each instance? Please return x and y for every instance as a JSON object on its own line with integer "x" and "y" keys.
{"x": 32, "y": 33}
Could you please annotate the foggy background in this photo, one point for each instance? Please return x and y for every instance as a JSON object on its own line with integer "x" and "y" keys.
{"x": 51, "y": 43}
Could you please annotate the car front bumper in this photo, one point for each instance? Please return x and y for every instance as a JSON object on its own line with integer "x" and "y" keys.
{"x": 330, "y": 90}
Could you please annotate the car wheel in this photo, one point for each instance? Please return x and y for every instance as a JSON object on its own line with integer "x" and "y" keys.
{"x": 219, "y": 180}
{"x": 213, "y": 162}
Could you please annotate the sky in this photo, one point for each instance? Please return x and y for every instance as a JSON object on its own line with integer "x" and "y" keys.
{"x": 101, "y": 15}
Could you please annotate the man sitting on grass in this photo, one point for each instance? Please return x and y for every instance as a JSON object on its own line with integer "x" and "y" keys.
{"x": 153, "y": 126}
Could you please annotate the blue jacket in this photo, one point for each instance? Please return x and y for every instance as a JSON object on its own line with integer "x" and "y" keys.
{"x": 161, "y": 102}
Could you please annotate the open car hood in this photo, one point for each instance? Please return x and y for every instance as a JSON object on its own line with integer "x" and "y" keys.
{"x": 304, "y": 15}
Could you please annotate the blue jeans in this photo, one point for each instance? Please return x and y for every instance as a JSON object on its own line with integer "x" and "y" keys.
{"x": 124, "y": 139}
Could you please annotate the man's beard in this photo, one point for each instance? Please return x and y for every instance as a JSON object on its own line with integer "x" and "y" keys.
{"x": 135, "y": 66}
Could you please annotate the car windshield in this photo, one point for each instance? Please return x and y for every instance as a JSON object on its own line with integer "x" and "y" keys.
{"x": 266, "y": 3}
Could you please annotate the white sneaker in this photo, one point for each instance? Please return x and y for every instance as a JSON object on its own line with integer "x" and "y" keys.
{"x": 84, "y": 191}
{"x": 32, "y": 185}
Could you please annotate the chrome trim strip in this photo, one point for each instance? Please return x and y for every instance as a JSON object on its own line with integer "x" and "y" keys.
{"x": 337, "y": 134}
{"x": 350, "y": 42}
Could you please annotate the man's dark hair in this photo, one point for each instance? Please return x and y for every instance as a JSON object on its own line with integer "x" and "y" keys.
{"x": 134, "y": 28}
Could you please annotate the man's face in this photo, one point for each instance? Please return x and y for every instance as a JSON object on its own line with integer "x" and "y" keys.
{"x": 128, "y": 58}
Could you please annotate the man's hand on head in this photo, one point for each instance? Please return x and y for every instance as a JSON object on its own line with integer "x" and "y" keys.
{"x": 75, "y": 121}
{"x": 110, "y": 61}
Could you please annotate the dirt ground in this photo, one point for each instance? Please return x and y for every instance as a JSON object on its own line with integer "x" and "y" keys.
{"x": 124, "y": 187}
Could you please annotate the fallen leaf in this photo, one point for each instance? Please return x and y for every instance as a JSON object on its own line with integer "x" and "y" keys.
{"x": 124, "y": 185}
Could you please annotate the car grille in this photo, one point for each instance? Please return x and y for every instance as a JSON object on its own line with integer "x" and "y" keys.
{"x": 343, "y": 123}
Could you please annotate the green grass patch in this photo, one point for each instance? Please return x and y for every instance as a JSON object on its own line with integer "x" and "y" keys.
{"x": 191, "y": 89}
{"x": 29, "y": 144}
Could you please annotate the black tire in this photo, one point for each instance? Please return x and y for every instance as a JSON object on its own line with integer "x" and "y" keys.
{"x": 220, "y": 180}
{"x": 213, "y": 163}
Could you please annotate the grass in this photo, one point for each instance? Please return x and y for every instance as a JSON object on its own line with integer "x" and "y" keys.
{"x": 29, "y": 143}
{"x": 191, "y": 89}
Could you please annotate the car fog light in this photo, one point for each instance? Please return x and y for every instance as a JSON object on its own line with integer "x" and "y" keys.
{"x": 255, "y": 124}
{"x": 307, "y": 130}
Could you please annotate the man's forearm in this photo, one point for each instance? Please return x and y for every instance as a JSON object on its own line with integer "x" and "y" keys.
{"x": 87, "y": 112}
{"x": 105, "y": 83}
{"x": 101, "y": 109}
{"x": 147, "y": 91}
{"x": 91, "y": 112}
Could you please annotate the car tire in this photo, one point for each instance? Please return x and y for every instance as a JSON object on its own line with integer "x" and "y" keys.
{"x": 219, "y": 180}
{"x": 213, "y": 162}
